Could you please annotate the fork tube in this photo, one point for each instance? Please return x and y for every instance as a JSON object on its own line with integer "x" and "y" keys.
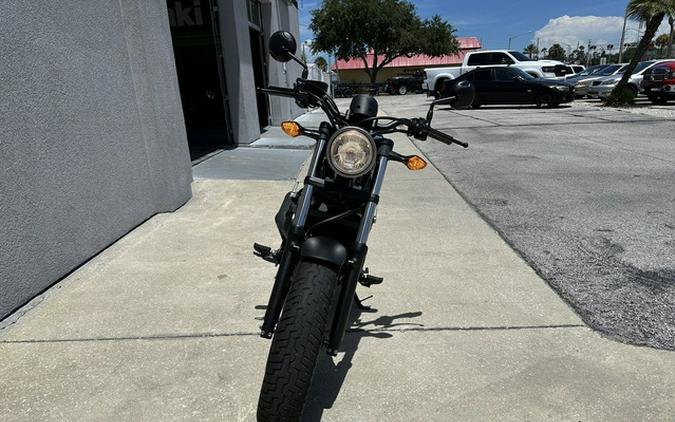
{"x": 290, "y": 253}
{"x": 360, "y": 249}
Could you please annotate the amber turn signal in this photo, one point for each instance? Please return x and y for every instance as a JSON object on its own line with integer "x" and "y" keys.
{"x": 291, "y": 128}
{"x": 415, "y": 162}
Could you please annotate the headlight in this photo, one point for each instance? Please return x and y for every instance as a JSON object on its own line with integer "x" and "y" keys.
{"x": 351, "y": 152}
{"x": 610, "y": 82}
{"x": 562, "y": 87}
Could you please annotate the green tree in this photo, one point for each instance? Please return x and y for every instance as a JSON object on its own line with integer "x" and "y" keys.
{"x": 556, "y": 52}
{"x": 387, "y": 28}
{"x": 652, "y": 12}
{"x": 321, "y": 63}
{"x": 531, "y": 50}
{"x": 661, "y": 42}
{"x": 578, "y": 55}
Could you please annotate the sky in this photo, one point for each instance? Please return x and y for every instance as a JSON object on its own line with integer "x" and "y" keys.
{"x": 568, "y": 21}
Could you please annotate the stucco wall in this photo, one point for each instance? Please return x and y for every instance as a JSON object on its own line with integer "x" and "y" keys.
{"x": 92, "y": 138}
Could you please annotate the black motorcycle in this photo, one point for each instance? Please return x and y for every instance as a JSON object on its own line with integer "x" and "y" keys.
{"x": 324, "y": 229}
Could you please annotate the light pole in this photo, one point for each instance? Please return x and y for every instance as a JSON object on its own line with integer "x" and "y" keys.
{"x": 512, "y": 37}
{"x": 623, "y": 37}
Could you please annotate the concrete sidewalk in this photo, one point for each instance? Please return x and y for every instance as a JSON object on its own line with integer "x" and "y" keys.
{"x": 163, "y": 325}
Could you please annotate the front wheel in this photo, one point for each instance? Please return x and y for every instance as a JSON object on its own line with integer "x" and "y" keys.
{"x": 658, "y": 100}
{"x": 297, "y": 343}
{"x": 402, "y": 90}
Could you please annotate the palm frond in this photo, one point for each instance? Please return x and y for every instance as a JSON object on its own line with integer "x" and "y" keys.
{"x": 643, "y": 10}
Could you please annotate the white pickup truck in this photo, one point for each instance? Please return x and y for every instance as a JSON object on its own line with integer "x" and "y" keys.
{"x": 549, "y": 69}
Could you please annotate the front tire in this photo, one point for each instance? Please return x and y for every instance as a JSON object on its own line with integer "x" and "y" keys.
{"x": 658, "y": 100}
{"x": 297, "y": 342}
{"x": 402, "y": 90}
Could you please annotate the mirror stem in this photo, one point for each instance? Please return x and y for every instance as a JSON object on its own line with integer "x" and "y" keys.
{"x": 305, "y": 71}
{"x": 430, "y": 114}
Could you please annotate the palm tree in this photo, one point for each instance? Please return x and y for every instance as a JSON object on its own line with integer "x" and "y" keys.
{"x": 652, "y": 12}
{"x": 661, "y": 42}
{"x": 531, "y": 50}
{"x": 320, "y": 62}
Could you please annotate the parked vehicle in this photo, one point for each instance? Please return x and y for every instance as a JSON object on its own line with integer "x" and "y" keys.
{"x": 509, "y": 85}
{"x": 324, "y": 230}
{"x": 573, "y": 70}
{"x": 403, "y": 84}
{"x": 581, "y": 86}
{"x": 585, "y": 73}
{"x": 602, "y": 88}
{"x": 537, "y": 68}
{"x": 348, "y": 90}
{"x": 659, "y": 82}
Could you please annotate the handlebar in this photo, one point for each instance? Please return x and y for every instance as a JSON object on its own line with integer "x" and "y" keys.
{"x": 418, "y": 128}
{"x": 278, "y": 91}
{"x": 445, "y": 138}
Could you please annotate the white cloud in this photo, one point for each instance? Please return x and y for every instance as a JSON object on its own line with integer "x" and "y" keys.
{"x": 578, "y": 30}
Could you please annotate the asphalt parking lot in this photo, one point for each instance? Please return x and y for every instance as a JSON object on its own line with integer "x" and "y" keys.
{"x": 585, "y": 194}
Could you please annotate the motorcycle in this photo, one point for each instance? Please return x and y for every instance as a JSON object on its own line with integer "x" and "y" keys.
{"x": 324, "y": 229}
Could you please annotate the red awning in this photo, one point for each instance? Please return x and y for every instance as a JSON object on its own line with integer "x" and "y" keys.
{"x": 465, "y": 43}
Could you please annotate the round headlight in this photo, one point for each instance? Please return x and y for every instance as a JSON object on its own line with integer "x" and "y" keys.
{"x": 351, "y": 152}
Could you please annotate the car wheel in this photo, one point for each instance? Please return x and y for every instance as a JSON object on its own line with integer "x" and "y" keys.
{"x": 539, "y": 101}
{"x": 553, "y": 103}
{"x": 657, "y": 100}
{"x": 402, "y": 90}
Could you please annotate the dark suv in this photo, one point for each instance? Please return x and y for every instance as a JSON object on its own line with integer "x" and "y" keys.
{"x": 401, "y": 85}
{"x": 659, "y": 83}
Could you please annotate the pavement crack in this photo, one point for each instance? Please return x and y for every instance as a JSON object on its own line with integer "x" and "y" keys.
{"x": 132, "y": 338}
{"x": 255, "y": 334}
{"x": 475, "y": 328}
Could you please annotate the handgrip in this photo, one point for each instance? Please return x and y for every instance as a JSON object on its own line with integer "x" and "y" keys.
{"x": 279, "y": 91}
{"x": 445, "y": 138}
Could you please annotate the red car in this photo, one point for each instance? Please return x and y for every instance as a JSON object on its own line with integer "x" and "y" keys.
{"x": 659, "y": 83}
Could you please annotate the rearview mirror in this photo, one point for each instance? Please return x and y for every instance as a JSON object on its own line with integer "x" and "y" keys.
{"x": 282, "y": 46}
{"x": 464, "y": 93}
{"x": 460, "y": 96}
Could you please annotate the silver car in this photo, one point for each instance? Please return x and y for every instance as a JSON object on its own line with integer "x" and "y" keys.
{"x": 602, "y": 88}
{"x": 583, "y": 85}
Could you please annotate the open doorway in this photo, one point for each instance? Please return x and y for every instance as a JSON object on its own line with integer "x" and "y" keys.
{"x": 259, "y": 75}
{"x": 201, "y": 75}
{"x": 258, "y": 58}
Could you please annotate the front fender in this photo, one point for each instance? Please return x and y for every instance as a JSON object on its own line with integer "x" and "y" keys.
{"x": 324, "y": 249}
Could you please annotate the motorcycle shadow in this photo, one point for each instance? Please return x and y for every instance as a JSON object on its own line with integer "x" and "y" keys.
{"x": 331, "y": 373}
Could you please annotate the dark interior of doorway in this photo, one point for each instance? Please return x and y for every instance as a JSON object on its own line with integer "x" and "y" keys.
{"x": 260, "y": 77}
{"x": 200, "y": 76}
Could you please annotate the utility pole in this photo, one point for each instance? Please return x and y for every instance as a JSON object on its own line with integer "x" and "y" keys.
{"x": 537, "y": 47}
{"x": 623, "y": 37}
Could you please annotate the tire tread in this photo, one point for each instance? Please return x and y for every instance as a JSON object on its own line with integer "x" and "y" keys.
{"x": 296, "y": 343}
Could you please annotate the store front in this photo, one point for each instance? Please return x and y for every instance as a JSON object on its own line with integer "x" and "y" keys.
{"x": 258, "y": 58}
{"x": 201, "y": 75}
